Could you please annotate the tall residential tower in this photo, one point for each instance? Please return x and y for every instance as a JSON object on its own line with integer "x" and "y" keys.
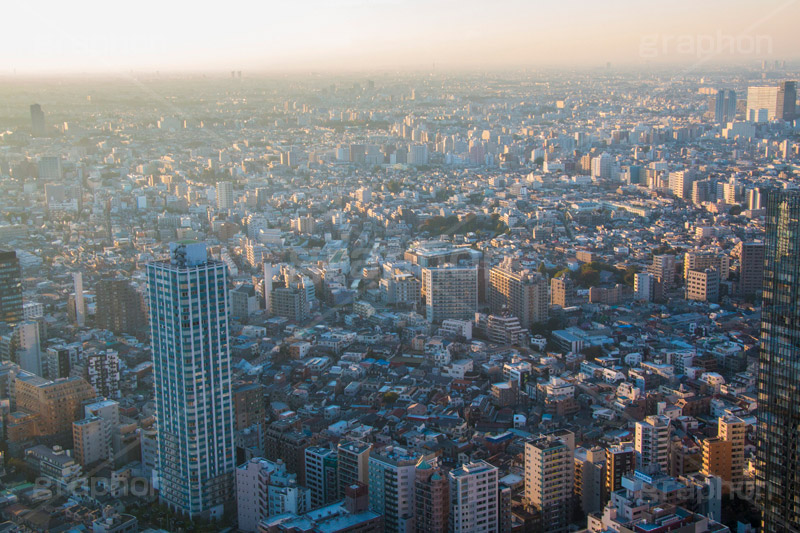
{"x": 188, "y": 296}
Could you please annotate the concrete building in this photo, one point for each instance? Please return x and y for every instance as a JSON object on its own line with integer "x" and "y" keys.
{"x": 391, "y": 488}
{"x": 723, "y": 455}
{"x": 696, "y": 260}
{"x": 620, "y": 460}
{"x": 590, "y": 477}
{"x": 289, "y": 302}
{"x": 751, "y": 268}
{"x": 562, "y": 291}
{"x": 321, "y": 475}
{"x": 522, "y": 293}
{"x": 90, "y": 440}
{"x": 283, "y": 443}
{"x": 28, "y": 349}
{"x": 193, "y": 397}
{"x": 353, "y": 464}
{"x": 474, "y": 498}
{"x": 663, "y": 268}
{"x": 702, "y": 285}
{"x": 244, "y": 301}
{"x": 431, "y": 499}
{"x": 114, "y": 522}
{"x": 450, "y": 292}
{"x": 57, "y": 404}
{"x": 549, "y": 480}
{"x": 680, "y": 182}
{"x": 651, "y": 443}
{"x": 10, "y": 287}
{"x": 57, "y": 466}
{"x": 644, "y": 286}
{"x": 224, "y": 195}
{"x": 104, "y": 373}
{"x": 264, "y": 488}
{"x": 120, "y": 307}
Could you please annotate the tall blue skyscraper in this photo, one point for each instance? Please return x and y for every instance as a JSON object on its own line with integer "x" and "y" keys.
{"x": 778, "y": 472}
{"x": 188, "y": 296}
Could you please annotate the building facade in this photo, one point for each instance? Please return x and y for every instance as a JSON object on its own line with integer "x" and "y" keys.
{"x": 10, "y": 287}
{"x": 520, "y": 292}
{"x": 474, "y": 498}
{"x": 778, "y": 465}
{"x": 188, "y": 297}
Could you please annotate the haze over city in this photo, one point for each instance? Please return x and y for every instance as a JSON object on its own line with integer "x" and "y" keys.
{"x": 392, "y": 35}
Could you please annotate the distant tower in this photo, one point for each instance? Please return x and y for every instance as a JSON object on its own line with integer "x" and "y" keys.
{"x": 29, "y": 354}
{"x": 269, "y": 272}
{"x": 10, "y": 287}
{"x": 37, "y": 121}
{"x": 80, "y": 310}
{"x": 188, "y": 297}
{"x": 224, "y": 195}
{"x": 725, "y": 106}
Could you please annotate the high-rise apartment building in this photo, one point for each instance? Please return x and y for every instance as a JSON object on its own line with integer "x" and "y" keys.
{"x": 663, "y": 268}
{"x": 723, "y": 455}
{"x": 264, "y": 488}
{"x": 103, "y": 372}
{"x": 353, "y": 464}
{"x": 620, "y": 459}
{"x": 590, "y": 473}
{"x": 703, "y": 285}
{"x": 700, "y": 260}
{"x": 391, "y": 487}
{"x": 283, "y": 442}
{"x": 522, "y": 293}
{"x": 431, "y": 498}
{"x": 562, "y": 291}
{"x": 474, "y": 498}
{"x": 751, "y": 268}
{"x": 450, "y": 292}
{"x": 188, "y": 301}
{"x": 680, "y": 182}
{"x": 28, "y": 347}
{"x": 119, "y": 307}
{"x": 778, "y": 464}
{"x": 57, "y": 362}
{"x": 321, "y": 475}
{"x": 644, "y": 286}
{"x": 651, "y": 443}
{"x": 57, "y": 404}
{"x": 224, "y": 195}
{"x": 549, "y": 480}
{"x": 90, "y": 441}
{"x": 10, "y": 287}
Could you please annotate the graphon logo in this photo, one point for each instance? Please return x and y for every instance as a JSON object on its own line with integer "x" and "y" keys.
{"x": 703, "y": 46}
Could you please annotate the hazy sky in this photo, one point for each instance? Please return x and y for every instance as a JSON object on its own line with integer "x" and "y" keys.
{"x": 43, "y": 36}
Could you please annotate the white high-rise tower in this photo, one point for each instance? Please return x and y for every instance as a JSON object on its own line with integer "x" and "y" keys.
{"x": 188, "y": 297}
